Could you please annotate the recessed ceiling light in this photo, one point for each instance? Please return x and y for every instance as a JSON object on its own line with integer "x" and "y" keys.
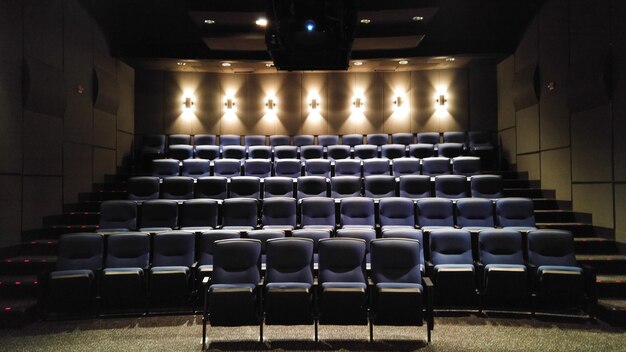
{"x": 449, "y": 59}
{"x": 181, "y": 63}
{"x": 209, "y": 21}
{"x": 417, "y": 18}
{"x": 261, "y": 22}
{"x": 269, "y": 64}
{"x": 403, "y": 62}
{"x": 226, "y": 64}
{"x": 357, "y": 63}
{"x": 365, "y": 20}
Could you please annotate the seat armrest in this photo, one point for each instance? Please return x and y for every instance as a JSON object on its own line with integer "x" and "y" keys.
{"x": 430, "y": 268}
{"x": 205, "y": 281}
{"x": 589, "y": 274}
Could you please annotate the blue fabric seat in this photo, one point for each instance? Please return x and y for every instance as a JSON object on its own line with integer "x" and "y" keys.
{"x": 435, "y": 213}
{"x": 170, "y": 274}
{"x": 516, "y": 213}
{"x": 117, "y": 215}
{"x": 214, "y": 187}
{"x": 278, "y": 186}
{"x": 486, "y": 186}
{"x": 279, "y": 214}
{"x": 199, "y": 215}
{"x": 414, "y": 186}
{"x": 317, "y": 213}
{"x": 159, "y": 215}
{"x": 474, "y": 214}
{"x": 345, "y": 186}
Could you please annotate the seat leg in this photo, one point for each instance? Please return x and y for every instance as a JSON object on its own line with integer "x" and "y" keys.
{"x": 261, "y": 331}
{"x": 316, "y": 339}
{"x": 371, "y": 331}
{"x": 428, "y": 333}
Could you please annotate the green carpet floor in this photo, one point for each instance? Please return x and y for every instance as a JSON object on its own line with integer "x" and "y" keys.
{"x": 183, "y": 333}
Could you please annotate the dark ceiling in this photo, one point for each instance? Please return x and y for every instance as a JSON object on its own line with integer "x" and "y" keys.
{"x": 154, "y": 30}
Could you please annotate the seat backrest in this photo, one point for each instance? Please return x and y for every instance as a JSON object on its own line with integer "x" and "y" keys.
{"x": 317, "y": 211}
{"x": 450, "y": 150}
{"x": 199, "y": 213}
{"x": 279, "y": 211}
{"x": 393, "y": 151}
{"x": 153, "y": 143}
{"x": 486, "y": 186}
{"x": 396, "y": 211}
{"x": 245, "y": 187}
{"x": 317, "y": 167}
{"x": 279, "y": 139}
{"x": 455, "y": 137}
{"x": 428, "y": 137}
{"x": 412, "y": 234}
{"x": 290, "y": 260}
{"x": 551, "y": 247}
{"x": 128, "y": 250}
{"x": 237, "y": 261}
{"x": 175, "y": 139}
{"x": 311, "y": 152}
{"x": 288, "y": 167}
{"x": 208, "y": 152}
{"x": 479, "y": 138}
{"x": 365, "y": 151}
{"x": 435, "y": 212}
{"x": 515, "y": 212}
{"x": 474, "y": 212}
{"x": 379, "y": 186}
{"x": 451, "y": 186}
{"x": 234, "y": 152}
{"x": 227, "y": 167}
{"x": 406, "y": 166}
{"x": 303, "y": 139}
{"x": 260, "y": 152}
{"x": 402, "y": 138}
{"x": 254, "y": 139}
{"x": 352, "y": 139}
{"x": 376, "y": 166}
{"x": 326, "y": 140}
{"x": 421, "y": 150}
{"x": 436, "y": 166}
{"x": 414, "y": 186}
{"x": 196, "y": 168}
{"x": 451, "y": 247}
{"x": 395, "y": 260}
{"x": 264, "y": 236}
{"x": 466, "y": 165}
{"x": 175, "y": 248}
{"x": 285, "y": 152}
{"x": 80, "y": 251}
{"x": 159, "y": 213}
{"x": 345, "y": 186}
{"x": 206, "y": 244}
{"x": 338, "y": 152}
{"x": 204, "y": 139}
{"x": 312, "y": 186}
{"x": 315, "y": 234}
{"x": 377, "y": 138}
{"x": 500, "y": 246}
{"x": 357, "y": 211}
{"x": 180, "y": 151}
{"x": 278, "y": 186}
{"x": 177, "y": 187}
{"x": 165, "y": 167}
{"x": 342, "y": 260}
{"x": 257, "y": 167}
{"x": 143, "y": 188}
{"x": 215, "y": 187}
{"x": 348, "y": 167}
{"x": 239, "y": 212}
{"x": 230, "y": 139}
{"x": 118, "y": 214}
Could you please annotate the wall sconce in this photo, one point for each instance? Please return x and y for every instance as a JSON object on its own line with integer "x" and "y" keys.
{"x": 398, "y": 102}
{"x": 188, "y": 103}
{"x": 442, "y": 100}
{"x": 314, "y": 104}
{"x": 270, "y": 104}
{"x": 229, "y": 104}
{"x": 358, "y": 103}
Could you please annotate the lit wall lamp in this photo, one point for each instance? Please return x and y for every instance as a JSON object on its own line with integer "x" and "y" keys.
{"x": 270, "y": 104}
{"x": 314, "y": 104}
{"x": 358, "y": 103}
{"x": 229, "y": 104}
{"x": 188, "y": 103}
{"x": 442, "y": 100}
{"x": 399, "y": 101}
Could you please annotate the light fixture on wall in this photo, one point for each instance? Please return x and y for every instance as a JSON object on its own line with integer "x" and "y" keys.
{"x": 261, "y": 22}
{"x": 358, "y": 103}
{"x": 314, "y": 104}
{"x": 441, "y": 100}
{"x": 188, "y": 103}
{"x": 270, "y": 103}
{"x": 229, "y": 103}
{"x": 398, "y": 101}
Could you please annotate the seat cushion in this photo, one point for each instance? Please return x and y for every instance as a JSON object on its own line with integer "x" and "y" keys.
{"x": 197, "y": 228}
{"x": 238, "y": 228}
{"x": 278, "y": 227}
{"x": 556, "y": 270}
{"x": 399, "y": 286}
{"x": 454, "y": 267}
{"x": 350, "y": 285}
{"x": 228, "y": 287}
{"x": 122, "y": 271}
{"x": 155, "y": 229}
{"x": 288, "y": 285}
{"x": 169, "y": 270}
{"x": 505, "y": 267}
{"x": 72, "y": 274}
{"x": 114, "y": 229}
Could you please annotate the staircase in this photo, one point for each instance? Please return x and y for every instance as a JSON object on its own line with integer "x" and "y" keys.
{"x": 20, "y": 274}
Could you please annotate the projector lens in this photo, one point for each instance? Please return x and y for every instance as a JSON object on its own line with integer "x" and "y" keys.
{"x": 309, "y": 25}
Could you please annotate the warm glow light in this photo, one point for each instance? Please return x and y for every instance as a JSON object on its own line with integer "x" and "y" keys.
{"x": 229, "y": 103}
{"x": 226, "y": 64}
{"x": 188, "y": 102}
{"x": 403, "y": 62}
{"x": 314, "y": 102}
{"x": 357, "y": 63}
{"x": 441, "y": 98}
{"x": 358, "y": 103}
{"x": 270, "y": 103}
{"x": 417, "y": 18}
{"x": 398, "y": 102}
{"x": 366, "y": 21}
{"x": 209, "y": 21}
{"x": 261, "y": 22}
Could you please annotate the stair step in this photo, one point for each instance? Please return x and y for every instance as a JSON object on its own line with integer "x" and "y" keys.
{"x": 578, "y": 229}
{"x": 520, "y": 183}
{"x": 594, "y": 245}
{"x": 551, "y": 204}
{"x": 510, "y": 175}
{"x": 81, "y": 217}
{"x": 28, "y": 264}
{"x": 19, "y": 285}
{"x": 613, "y": 311}
{"x": 102, "y": 195}
{"x": 604, "y": 263}
{"x": 57, "y": 230}
{"x": 528, "y": 192}
{"x": 611, "y": 285}
{"x": 556, "y": 215}
{"x": 15, "y": 312}
{"x": 39, "y": 247}
{"x": 89, "y": 206}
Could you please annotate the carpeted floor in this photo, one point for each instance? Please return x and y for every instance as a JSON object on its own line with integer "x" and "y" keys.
{"x": 183, "y": 333}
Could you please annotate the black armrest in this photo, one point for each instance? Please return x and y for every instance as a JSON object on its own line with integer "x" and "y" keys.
{"x": 430, "y": 292}
{"x": 589, "y": 273}
{"x": 205, "y": 281}
{"x": 430, "y": 268}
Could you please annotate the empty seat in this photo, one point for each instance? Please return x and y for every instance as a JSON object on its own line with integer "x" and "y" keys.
{"x": 125, "y": 268}
{"x": 279, "y": 139}
{"x": 412, "y": 234}
{"x": 435, "y": 213}
{"x": 204, "y": 139}
{"x": 402, "y": 138}
{"x": 288, "y": 168}
{"x": 199, "y": 215}
{"x": 71, "y": 286}
{"x": 314, "y": 234}
{"x": 379, "y": 186}
{"x": 377, "y": 139}
{"x": 206, "y": 249}
{"x": 421, "y": 150}
{"x": 450, "y": 150}
{"x": 245, "y": 187}
{"x": 234, "y": 152}
{"x": 278, "y": 186}
{"x": 208, "y": 152}
{"x": 399, "y": 296}
{"x": 516, "y": 214}
{"x": 435, "y": 166}
{"x": 352, "y": 140}
{"x": 303, "y": 139}
{"x": 177, "y": 187}
{"x": 455, "y": 137}
{"x": 312, "y": 186}
{"x": 317, "y": 167}
{"x": 365, "y": 151}
{"x": 264, "y": 236}
{"x": 480, "y": 141}
{"x": 451, "y": 186}
{"x": 215, "y": 187}
{"x": 338, "y": 152}
{"x": 165, "y": 167}
{"x": 152, "y": 145}
{"x": 345, "y": 186}
{"x": 357, "y": 212}
{"x": 406, "y": 166}
{"x": 348, "y": 167}
{"x": 486, "y": 186}
{"x": 170, "y": 275}
{"x": 452, "y": 268}
{"x": 257, "y": 167}
{"x": 377, "y": 166}
{"x": 311, "y": 152}
{"x": 227, "y": 167}
{"x": 279, "y": 214}
{"x": 466, "y": 165}
{"x": 326, "y": 140}
{"x": 230, "y": 139}
{"x": 176, "y": 139}
{"x": 260, "y": 152}
{"x": 318, "y": 213}
{"x": 143, "y": 188}
{"x": 396, "y": 212}
{"x": 117, "y": 215}
{"x": 180, "y": 152}
{"x": 474, "y": 214}
{"x": 504, "y": 274}
{"x": 414, "y": 186}
{"x": 253, "y": 139}
{"x": 159, "y": 215}
{"x": 196, "y": 168}
{"x": 239, "y": 214}
{"x": 393, "y": 151}
{"x": 285, "y": 152}
{"x": 428, "y": 138}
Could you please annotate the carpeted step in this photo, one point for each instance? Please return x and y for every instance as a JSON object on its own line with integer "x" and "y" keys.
{"x": 89, "y": 206}
{"x": 81, "y": 217}
{"x": 28, "y": 264}
{"x": 594, "y": 245}
{"x": 528, "y": 192}
{"x": 604, "y": 263}
{"x": 579, "y": 229}
{"x": 55, "y": 231}
{"x": 39, "y": 247}
{"x": 613, "y": 311}
{"x": 15, "y": 312}
{"x": 102, "y": 195}
{"x": 611, "y": 285}
{"x": 520, "y": 183}
{"x": 557, "y": 215}
{"x": 551, "y": 204}
{"x": 19, "y": 285}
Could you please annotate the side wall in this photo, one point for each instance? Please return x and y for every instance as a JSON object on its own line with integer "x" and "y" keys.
{"x": 54, "y": 143}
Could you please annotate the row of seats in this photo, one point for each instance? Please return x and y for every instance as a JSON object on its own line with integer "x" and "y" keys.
{"x": 433, "y": 166}
{"x": 375, "y": 186}
{"x": 327, "y": 214}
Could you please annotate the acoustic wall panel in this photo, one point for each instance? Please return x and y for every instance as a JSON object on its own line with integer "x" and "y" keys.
{"x": 527, "y": 129}
{"x": 148, "y": 102}
{"x": 258, "y": 89}
{"x": 589, "y": 83}
{"x": 289, "y": 108}
{"x": 36, "y": 207}
{"x": 176, "y": 85}
{"x": 509, "y": 145}
{"x": 553, "y": 47}
{"x": 233, "y": 87}
{"x": 595, "y": 199}
{"x": 43, "y": 31}
{"x": 425, "y": 116}
{"x": 104, "y": 130}
{"x": 209, "y": 104}
{"x": 43, "y": 88}
{"x": 525, "y": 87}
{"x": 483, "y": 113}
{"x": 76, "y": 171}
{"x": 620, "y": 209}
{"x": 11, "y": 30}
{"x": 11, "y": 205}
{"x": 106, "y": 90}
{"x": 341, "y": 92}
{"x": 126, "y": 108}
{"x": 554, "y": 122}
{"x": 506, "y": 108}
{"x": 455, "y": 86}
{"x": 556, "y": 172}
{"x": 526, "y": 53}
{"x": 11, "y": 117}
{"x": 591, "y": 145}
{"x": 531, "y": 164}
{"x": 590, "y": 28}
{"x": 397, "y": 118}
{"x": 103, "y": 163}
{"x": 618, "y": 32}
{"x": 124, "y": 148}
{"x": 43, "y": 144}
{"x": 314, "y": 86}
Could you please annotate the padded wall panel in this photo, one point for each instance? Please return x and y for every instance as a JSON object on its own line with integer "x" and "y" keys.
{"x": 209, "y": 106}
{"x": 124, "y": 148}
{"x": 455, "y": 117}
{"x": 554, "y": 122}
{"x": 43, "y": 144}
{"x": 43, "y": 88}
{"x": 126, "y": 108}
{"x": 104, "y": 130}
{"x": 553, "y": 47}
{"x": 527, "y": 129}
{"x": 43, "y": 31}
{"x": 106, "y": 90}
{"x": 596, "y": 199}
{"x": 78, "y": 123}
{"x": 525, "y": 87}
{"x": 589, "y": 28}
{"x": 556, "y": 172}
{"x": 341, "y": 90}
{"x": 531, "y": 164}
{"x": 314, "y": 85}
{"x": 618, "y": 28}
{"x": 591, "y": 145}
{"x": 256, "y": 119}
{"x": 620, "y": 210}
{"x": 483, "y": 113}
{"x": 506, "y": 108}
{"x": 424, "y": 114}
{"x": 526, "y": 53}
{"x": 101, "y": 57}
{"x": 176, "y": 85}
{"x": 11, "y": 30}
{"x": 35, "y": 206}
{"x": 76, "y": 171}
{"x": 235, "y": 87}
{"x": 396, "y": 119}
{"x": 11, "y": 205}
{"x": 370, "y": 84}
{"x": 103, "y": 163}
{"x": 589, "y": 83}
{"x": 509, "y": 144}
{"x": 10, "y": 117}
{"x": 148, "y": 102}
{"x": 289, "y": 109}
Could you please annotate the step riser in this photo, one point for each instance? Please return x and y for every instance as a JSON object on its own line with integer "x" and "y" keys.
{"x": 606, "y": 266}
{"x": 527, "y": 193}
{"x": 39, "y": 249}
{"x": 521, "y": 183}
{"x": 615, "y": 318}
{"x": 577, "y": 230}
{"x": 22, "y": 268}
{"x": 19, "y": 291}
{"x": 551, "y": 204}
{"x": 561, "y": 216}
{"x": 82, "y": 206}
{"x": 611, "y": 290}
{"x": 595, "y": 247}
{"x": 81, "y": 219}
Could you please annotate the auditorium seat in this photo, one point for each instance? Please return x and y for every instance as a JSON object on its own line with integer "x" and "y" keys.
{"x": 199, "y": 215}
{"x": 451, "y": 186}
{"x": 345, "y": 186}
{"x": 311, "y": 152}
{"x": 234, "y": 152}
{"x": 117, "y": 215}
{"x": 253, "y": 140}
{"x": 196, "y": 168}
{"x": 428, "y": 138}
{"x": 215, "y": 187}
{"x": 179, "y": 139}
{"x": 143, "y": 188}
{"x": 165, "y": 167}
{"x": 208, "y": 152}
{"x": 486, "y": 186}
{"x": 393, "y": 151}
{"x": 377, "y": 166}
{"x": 279, "y": 139}
{"x": 72, "y": 284}
{"x": 318, "y": 213}
{"x": 257, "y": 167}
{"x": 361, "y": 233}
{"x": 240, "y": 214}
{"x": 177, "y": 187}
{"x": 326, "y": 140}
{"x": 352, "y": 140}
{"x": 338, "y": 152}
{"x": 314, "y": 234}
{"x": 348, "y": 167}
{"x": 357, "y": 212}
{"x": 379, "y": 186}
{"x": 260, "y": 152}
{"x": 414, "y": 186}
{"x": 285, "y": 152}
{"x": 396, "y": 212}
{"x": 516, "y": 214}
{"x": 279, "y": 214}
{"x": 377, "y": 139}
{"x": 152, "y": 146}
{"x": 204, "y": 139}
{"x": 406, "y": 166}
{"x": 206, "y": 252}
{"x": 264, "y": 236}
{"x": 455, "y": 137}
{"x": 317, "y": 167}
{"x": 312, "y": 186}
{"x": 304, "y": 139}
{"x": 158, "y": 215}
{"x": 288, "y": 168}
{"x": 245, "y": 187}
{"x": 365, "y": 151}
{"x": 412, "y": 234}
{"x": 173, "y": 255}
{"x": 435, "y": 213}
{"x": 436, "y": 166}
{"x": 402, "y": 138}
{"x": 180, "y": 152}
{"x": 474, "y": 214}
{"x": 278, "y": 186}
{"x": 450, "y": 150}
{"x": 466, "y": 165}
{"x": 230, "y": 139}
{"x": 227, "y": 167}
{"x": 421, "y": 150}
{"x": 480, "y": 141}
